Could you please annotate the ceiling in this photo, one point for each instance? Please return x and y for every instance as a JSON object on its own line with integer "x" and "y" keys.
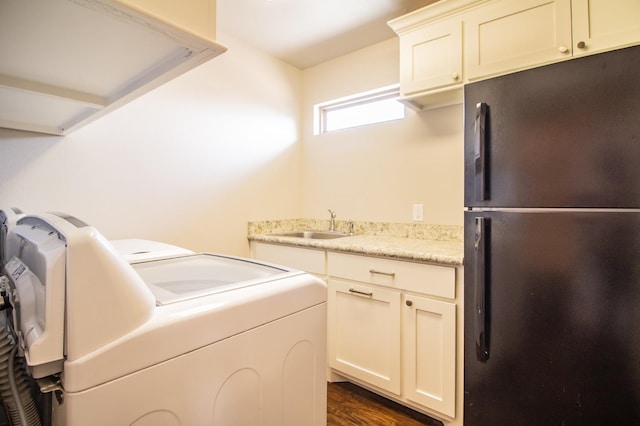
{"x": 304, "y": 33}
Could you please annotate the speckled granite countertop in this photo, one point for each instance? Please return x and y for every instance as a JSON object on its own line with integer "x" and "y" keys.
{"x": 442, "y": 244}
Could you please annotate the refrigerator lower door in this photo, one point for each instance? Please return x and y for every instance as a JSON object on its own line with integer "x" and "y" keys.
{"x": 552, "y": 318}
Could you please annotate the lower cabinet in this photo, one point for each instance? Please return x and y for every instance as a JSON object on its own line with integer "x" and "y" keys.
{"x": 429, "y": 353}
{"x": 393, "y": 325}
{"x": 400, "y": 341}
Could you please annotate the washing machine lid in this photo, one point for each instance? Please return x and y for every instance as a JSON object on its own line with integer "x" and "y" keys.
{"x": 135, "y": 250}
{"x": 190, "y": 276}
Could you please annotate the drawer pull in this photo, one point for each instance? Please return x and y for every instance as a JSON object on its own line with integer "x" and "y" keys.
{"x": 389, "y": 274}
{"x": 364, "y": 293}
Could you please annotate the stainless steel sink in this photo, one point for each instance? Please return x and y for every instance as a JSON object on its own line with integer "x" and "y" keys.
{"x": 313, "y": 235}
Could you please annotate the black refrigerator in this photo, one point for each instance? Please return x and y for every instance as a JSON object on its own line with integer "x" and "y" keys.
{"x": 552, "y": 245}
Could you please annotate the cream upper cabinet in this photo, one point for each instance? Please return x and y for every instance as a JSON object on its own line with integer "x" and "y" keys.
{"x": 432, "y": 53}
{"x": 431, "y": 57}
{"x": 195, "y": 16}
{"x": 602, "y": 24}
{"x": 508, "y": 35}
{"x": 453, "y": 42}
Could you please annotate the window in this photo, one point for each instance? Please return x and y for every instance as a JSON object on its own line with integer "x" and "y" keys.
{"x": 375, "y": 106}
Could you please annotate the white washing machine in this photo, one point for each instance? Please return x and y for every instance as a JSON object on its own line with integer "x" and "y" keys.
{"x": 183, "y": 339}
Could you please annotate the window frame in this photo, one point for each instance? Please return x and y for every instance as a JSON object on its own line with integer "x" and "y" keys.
{"x": 321, "y": 110}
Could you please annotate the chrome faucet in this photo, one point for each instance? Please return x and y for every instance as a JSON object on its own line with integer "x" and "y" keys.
{"x": 332, "y": 221}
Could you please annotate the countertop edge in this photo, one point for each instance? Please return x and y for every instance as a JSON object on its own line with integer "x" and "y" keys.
{"x": 446, "y": 253}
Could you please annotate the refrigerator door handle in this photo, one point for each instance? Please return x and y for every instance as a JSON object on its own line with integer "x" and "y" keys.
{"x": 480, "y": 314}
{"x": 479, "y": 182}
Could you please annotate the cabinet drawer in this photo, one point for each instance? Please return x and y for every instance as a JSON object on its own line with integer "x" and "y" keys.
{"x": 307, "y": 260}
{"x": 422, "y": 278}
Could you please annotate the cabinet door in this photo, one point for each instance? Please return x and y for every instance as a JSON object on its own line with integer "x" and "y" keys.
{"x": 364, "y": 333}
{"x": 604, "y": 24}
{"x": 431, "y": 57}
{"x": 429, "y": 331}
{"x": 513, "y": 34}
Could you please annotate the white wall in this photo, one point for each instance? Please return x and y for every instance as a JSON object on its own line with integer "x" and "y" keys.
{"x": 189, "y": 163}
{"x": 377, "y": 172}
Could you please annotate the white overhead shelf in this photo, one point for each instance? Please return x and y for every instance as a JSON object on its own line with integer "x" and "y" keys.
{"x": 67, "y": 62}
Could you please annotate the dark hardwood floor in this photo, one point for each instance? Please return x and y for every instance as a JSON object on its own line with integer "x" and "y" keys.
{"x": 348, "y": 404}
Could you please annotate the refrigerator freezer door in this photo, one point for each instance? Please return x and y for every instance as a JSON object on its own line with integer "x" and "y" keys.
{"x": 563, "y": 135}
{"x": 561, "y": 321}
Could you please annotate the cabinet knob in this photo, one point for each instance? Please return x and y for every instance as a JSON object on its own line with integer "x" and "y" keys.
{"x": 409, "y": 303}
{"x": 563, "y": 49}
{"x": 581, "y": 45}
{"x": 455, "y": 76}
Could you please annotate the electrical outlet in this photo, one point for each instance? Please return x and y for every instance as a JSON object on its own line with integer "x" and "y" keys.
{"x": 418, "y": 212}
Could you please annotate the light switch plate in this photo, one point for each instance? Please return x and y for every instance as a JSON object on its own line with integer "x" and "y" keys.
{"x": 418, "y": 212}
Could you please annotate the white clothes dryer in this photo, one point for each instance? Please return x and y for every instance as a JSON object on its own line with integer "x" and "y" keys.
{"x": 184, "y": 339}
